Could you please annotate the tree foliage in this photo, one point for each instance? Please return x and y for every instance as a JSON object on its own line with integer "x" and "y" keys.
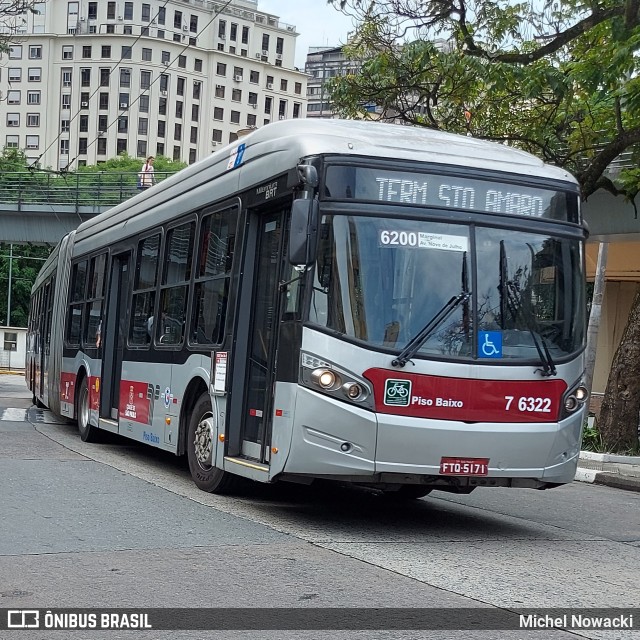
{"x": 557, "y": 79}
{"x": 13, "y": 15}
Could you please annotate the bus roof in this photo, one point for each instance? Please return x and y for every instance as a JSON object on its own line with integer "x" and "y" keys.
{"x": 275, "y": 148}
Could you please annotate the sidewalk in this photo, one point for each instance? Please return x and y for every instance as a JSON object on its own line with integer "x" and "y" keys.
{"x": 622, "y": 472}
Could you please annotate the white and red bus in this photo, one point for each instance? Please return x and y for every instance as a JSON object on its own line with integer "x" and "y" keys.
{"x": 377, "y": 304}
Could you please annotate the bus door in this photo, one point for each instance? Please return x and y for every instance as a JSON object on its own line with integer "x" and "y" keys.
{"x": 114, "y": 335}
{"x": 262, "y": 341}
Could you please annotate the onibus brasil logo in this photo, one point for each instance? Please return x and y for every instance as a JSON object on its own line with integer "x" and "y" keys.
{"x": 397, "y": 392}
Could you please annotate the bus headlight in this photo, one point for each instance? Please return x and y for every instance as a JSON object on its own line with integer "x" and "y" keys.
{"x": 575, "y": 398}
{"x": 325, "y": 378}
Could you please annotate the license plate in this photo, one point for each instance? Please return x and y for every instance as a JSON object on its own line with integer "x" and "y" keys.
{"x": 464, "y": 466}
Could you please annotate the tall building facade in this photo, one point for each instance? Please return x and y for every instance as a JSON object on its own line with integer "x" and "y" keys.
{"x": 85, "y": 81}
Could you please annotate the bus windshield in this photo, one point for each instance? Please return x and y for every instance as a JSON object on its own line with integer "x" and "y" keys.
{"x": 380, "y": 281}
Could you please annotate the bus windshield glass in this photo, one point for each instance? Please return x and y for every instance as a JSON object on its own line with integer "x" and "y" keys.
{"x": 381, "y": 281}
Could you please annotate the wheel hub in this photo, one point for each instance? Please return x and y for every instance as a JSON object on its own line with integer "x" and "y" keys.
{"x": 203, "y": 442}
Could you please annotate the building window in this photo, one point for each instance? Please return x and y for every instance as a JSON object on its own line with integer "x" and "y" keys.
{"x": 162, "y": 15}
{"x": 197, "y": 86}
{"x": 219, "y": 91}
{"x": 82, "y": 146}
{"x": 177, "y": 20}
{"x": 296, "y": 109}
{"x": 92, "y": 11}
{"x": 126, "y": 52}
{"x": 218, "y": 113}
{"x": 233, "y": 32}
{"x": 180, "y": 86}
{"x": 111, "y": 28}
{"x": 267, "y": 104}
{"x": 142, "y": 148}
{"x": 160, "y": 149}
{"x": 162, "y": 107}
{"x": 216, "y": 135}
{"x": 111, "y": 10}
{"x": 282, "y": 109}
{"x": 265, "y": 42}
{"x": 164, "y": 82}
{"x": 121, "y": 145}
{"x": 84, "y": 100}
{"x": 165, "y": 57}
{"x": 143, "y": 126}
{"x": 197, "y": 65}
{"x": 177, "y": 131}
{"x": 162, "y": 128}
{"x": 13, "y": 119}
{"x": 33, "y": 97}
{"x": 33, "y": 119}
{"x": 106, "y": 51}
{"x": 66, "y": 77}
{"x": 67, "y": 52}
{"x": 176, "y": 153}
{"x": 253, "y": 99}
{"x": 10, "y": 341}
{"x": 145, "y": 79}
{"x": 125, "y": 77}
{"x": 15, "y": 75}
{"x": 13, "y": 97}
{"x": 195, "y": 112}
{"x": 143, "y": 104}
{"x": 104, "y": 101}
{"x": 297, "y": 88}
{"x": 66, "y": 101}
{"x": 102, "y": 147}
{"x": 35, "y": 74}
{"x": 193, "y": 137}
{"x": 33, "y": 142}
{"x": 12, "y": 142}
{"x": 179, "y": 105}
{"x": 146, "y": 54}
{"x": 192, "y": 156}
{"x": 245, "y": 35}
{"x": 251, "y": 120}
{"x": 221, "y": 69}
{"x": 35, "y": 52}
{"x": 64, "y": 147}
{"x": 123, "y": 124}
{"x": 235, "y": 117}
{"x": 254, "y": 77}
{"x": 236, "y": 95}
{"x": 65, "y": 125}
{"x": 193, "y": 24}
{"x": 86, "y": 52}
{"x": 279, "y": 45}
{"x": 182, "y": 62}
{"x": 124, "y": 100}
{"x": 85, "y": 77}
{"x": 283, "y": 85}
{"x": 103, "y": 123}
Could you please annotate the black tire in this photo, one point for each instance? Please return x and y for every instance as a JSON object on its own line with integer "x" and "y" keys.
{"x": 204, "y": 474}
{"x": 408, "y": 492}
{"x": 88, "y": 433}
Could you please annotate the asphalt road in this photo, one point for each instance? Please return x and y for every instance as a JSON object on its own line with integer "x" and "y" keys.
{"x": 121, "y": 525}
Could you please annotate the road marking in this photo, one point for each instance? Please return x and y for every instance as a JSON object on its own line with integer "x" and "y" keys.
{"x": 14, "y": 415}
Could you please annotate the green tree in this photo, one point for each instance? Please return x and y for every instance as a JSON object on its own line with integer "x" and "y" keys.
{"x": 19, "y": 266}
{"x": 557, "y": 79}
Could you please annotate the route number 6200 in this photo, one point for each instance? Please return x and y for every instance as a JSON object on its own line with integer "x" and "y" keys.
{"x": 527, "y": 404}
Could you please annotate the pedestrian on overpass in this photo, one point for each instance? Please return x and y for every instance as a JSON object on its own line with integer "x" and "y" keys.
{"x": 146, "y": 177}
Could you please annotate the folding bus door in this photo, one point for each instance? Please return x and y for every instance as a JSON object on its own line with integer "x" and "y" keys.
{"x": 114, "y": 335}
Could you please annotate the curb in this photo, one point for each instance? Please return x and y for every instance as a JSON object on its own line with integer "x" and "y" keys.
{"x": 608, "y": 479}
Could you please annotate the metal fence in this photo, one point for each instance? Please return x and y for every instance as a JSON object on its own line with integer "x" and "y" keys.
{"x": 101, "y": 189}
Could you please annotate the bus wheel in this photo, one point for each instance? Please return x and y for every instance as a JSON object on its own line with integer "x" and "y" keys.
{"x": 408, "y": 492}
{"x": 200, "y": 446}
{"x": 88, "y": 433}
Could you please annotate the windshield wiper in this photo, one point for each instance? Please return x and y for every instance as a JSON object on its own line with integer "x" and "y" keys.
{"x": 515, "y": 307}
{"x": 415, "y": 343}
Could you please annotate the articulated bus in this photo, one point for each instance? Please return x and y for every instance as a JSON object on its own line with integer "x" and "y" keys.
{"x": 376, "y": 304}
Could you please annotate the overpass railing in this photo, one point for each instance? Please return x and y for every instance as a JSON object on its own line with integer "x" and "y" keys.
{"x": 80, "y": 190}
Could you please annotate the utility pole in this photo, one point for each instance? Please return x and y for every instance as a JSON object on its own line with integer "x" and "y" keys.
{"x": 9, "y": 288}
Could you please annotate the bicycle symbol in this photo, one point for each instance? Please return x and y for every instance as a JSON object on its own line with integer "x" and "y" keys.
{"x": 397, "y": 390}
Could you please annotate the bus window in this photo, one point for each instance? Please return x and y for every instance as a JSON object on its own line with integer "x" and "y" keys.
{"x": 173, "y": 297}
{"x": 76, "y": 308}
{"x": 215, "y": 259}
{"x": 144, "y": 295}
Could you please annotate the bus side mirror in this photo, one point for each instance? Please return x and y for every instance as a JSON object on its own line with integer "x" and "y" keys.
{"x": 303, "y": 233}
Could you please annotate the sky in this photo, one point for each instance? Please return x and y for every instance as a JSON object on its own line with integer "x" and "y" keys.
{"x": 317, "y": 22}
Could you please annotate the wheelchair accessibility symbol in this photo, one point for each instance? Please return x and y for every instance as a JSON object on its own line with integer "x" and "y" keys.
{"x": 489, "y": 344}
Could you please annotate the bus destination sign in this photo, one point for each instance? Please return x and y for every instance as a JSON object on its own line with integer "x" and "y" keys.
{"x": 449, "y": 192}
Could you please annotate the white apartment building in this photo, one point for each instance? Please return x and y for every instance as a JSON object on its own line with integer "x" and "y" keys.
{"x": 84, "y": 81}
